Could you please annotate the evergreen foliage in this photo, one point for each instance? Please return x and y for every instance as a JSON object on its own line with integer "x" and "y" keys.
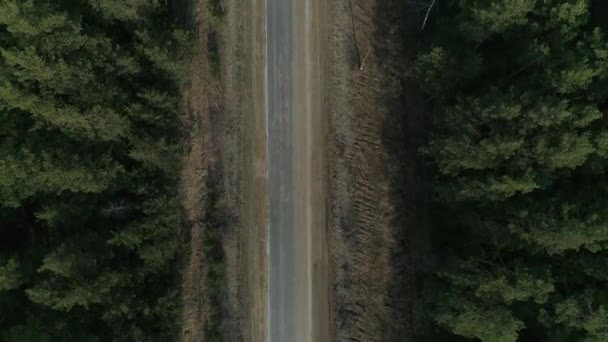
{"x": 89, "y": 219}
{"x": 519, "y": 145}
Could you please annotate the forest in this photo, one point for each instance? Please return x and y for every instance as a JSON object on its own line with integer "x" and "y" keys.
{"x": 89, "y": 154}
{"x": 518, "y": 92}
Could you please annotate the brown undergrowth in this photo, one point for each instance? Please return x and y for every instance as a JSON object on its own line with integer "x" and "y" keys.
{"x": 199, "y": 99}
{"x": 377, "y": 224}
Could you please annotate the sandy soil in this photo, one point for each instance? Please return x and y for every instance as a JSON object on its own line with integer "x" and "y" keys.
{"x": 238, "y": 134}
{"x": 226, "y": 118}
{"x": 247, "y": 19}
{"x": 316, "y": 181}
{"x": 310, "y": 138}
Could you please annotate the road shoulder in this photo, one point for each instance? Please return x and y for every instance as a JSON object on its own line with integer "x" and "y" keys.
{"x": 254, "y": 188}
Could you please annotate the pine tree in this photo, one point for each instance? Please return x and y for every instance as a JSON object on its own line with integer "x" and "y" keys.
{"x": 88, "y": 173}
{"x": 520, "y": 151}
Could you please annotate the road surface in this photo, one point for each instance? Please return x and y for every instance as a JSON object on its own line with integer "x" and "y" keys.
{"x": 298, "y": 302}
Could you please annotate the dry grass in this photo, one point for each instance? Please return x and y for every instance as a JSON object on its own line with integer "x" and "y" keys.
{"x": 198, "y": 159}
{"x": 224, "y": 118}
{"x": 227, "y": 121}
{"x": 372, "y": 178}
{"x": 360, "y": 212}
{"x": 239, "y": 137}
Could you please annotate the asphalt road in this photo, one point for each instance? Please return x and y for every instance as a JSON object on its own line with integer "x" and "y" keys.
{"x": 297, "y": 281}
{"x": 282, "y": 243}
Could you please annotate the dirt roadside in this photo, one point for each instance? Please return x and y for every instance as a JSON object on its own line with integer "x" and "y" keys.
{"x": 225, "y": 115}
{"x": 244, "y": 43}
{"x": 211, "y": 284}
{"x": 310, "y": 138}
{"x": 377, "y": 233}
{"x": 317, "y": 133}
{"x": 360, "y": 213}
{"x": 197, "y": 161}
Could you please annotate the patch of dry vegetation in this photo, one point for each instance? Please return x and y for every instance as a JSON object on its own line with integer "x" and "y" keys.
{"x": 374, "y": 177}
{"x": 197, "y": 99}
{"x": 215, "y": 159}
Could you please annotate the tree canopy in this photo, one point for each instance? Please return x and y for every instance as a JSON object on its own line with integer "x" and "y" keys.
{"x": 518, "y": 90}
{"x": 89, "y": 219}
